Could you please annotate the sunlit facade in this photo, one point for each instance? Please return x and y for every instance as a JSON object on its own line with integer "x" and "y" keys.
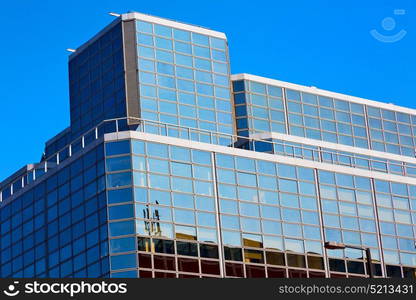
{"x": 173, "y": 168}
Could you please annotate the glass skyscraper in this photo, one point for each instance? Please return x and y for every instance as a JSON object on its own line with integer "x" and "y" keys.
{"x": 172, "y": 167}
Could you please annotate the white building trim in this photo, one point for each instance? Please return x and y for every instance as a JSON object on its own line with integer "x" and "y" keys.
{"x": 325, "y": 93}
{"x": 148, "y": 137}
{"x": 174, "y": 24}
{"x": 334, "y": 146}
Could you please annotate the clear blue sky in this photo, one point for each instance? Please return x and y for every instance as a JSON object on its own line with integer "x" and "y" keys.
{"x": 323, "y": 43}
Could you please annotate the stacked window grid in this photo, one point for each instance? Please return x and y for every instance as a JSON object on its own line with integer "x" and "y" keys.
{"x": 396, "y": 205}
{"x": 173, "y": 212}
{"x": 349, "y": 217}
{"x": 348, "y": 214}
{"x": 184, "y": 78}
{"x": 266, "y": 210}
{"x": 269, "y": 217}
{"x": 97, "y": 85}
{"x": 271, "y": 146}
{"x": 323, "y": 118}
{"x": 258, "y": 108}
{"x": 391, "y": 131}
{"x": 326, "y": 119}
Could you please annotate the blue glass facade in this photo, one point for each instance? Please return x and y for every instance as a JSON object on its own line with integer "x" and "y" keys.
{"x": 262, "y": 211}
{"x": 258, "y": 108}
{"x": 97, "y": 82}
{"x": 184, "y": 78}
{"x": 262, "y": 107}
{"x": 58, "y": 226}
{"x": 176, "y": 194}
{"x": 161, "y": 201}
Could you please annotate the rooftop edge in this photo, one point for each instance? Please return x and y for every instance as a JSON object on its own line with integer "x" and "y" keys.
{"x": 172, "y": 23}
{"x": 153, "y": 19}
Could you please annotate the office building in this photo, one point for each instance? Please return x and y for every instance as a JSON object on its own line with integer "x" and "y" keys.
{"x": 172, "y": 167}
